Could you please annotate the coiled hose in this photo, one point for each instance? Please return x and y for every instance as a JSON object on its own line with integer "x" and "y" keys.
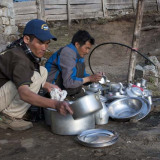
{"x": 115, "y": 43}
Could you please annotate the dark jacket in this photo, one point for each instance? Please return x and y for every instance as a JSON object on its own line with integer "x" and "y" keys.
{"x": 67, "y": 69}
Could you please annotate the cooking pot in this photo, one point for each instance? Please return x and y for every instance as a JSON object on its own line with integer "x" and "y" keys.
{"x": 134, "y": 92}
{"x": 114, "y": 87}
{"x": 93, "y": 87}
{"x": 86, "y": 105}
{"x": 66, "y": 125}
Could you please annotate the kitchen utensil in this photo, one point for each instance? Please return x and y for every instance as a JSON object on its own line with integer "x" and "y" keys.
{"x": 134, "y": 92}
{"x": 114, "y": 87}
{"x": 125, "y": 108}
{"x": 97, "y": 138}
{"x": 86, "y": 105}
{"x": 47, "y": 114}
{"x": 104, "y": 80}
{"x": 94, "y": 87}
{"x": 144, "y": 111}
{"x": 102, "y": 115}
{"x": 143, "y": 83}
{"x": 116, "y": 95}
{"x": 66, "y": 125}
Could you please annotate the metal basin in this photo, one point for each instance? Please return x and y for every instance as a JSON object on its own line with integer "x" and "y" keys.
{"x": 125, "y": 108}
{"x": 144, "y": 110}
{"x": 86, "y": 105}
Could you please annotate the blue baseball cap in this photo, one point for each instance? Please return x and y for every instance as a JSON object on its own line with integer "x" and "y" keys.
{"x": 39, "y": 29}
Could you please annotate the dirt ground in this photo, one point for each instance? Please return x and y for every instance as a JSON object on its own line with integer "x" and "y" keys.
{"x": 137, "y": 141}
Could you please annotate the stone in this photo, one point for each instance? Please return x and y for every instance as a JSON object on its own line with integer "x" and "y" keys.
{"x": 28, "y": 143}
{"x": 12, "y": 22}
{"x": 5, "y": 12}
{"x": 1, "y": 29}
{"x": 5, "y": 20}
{"x": 1, "y": 22}
{"x": 2, "y": 47}
{"x": 0, "y": 12}
{"x": 10, "y": 30}
{"x": 6, "y": 3}
{"x": 12, "y": 38}
{"x": 151, "y": 74}
{"x": 3, "y": 141}
{"x": 154, "y": 60}
{"x": 11, "y": 13}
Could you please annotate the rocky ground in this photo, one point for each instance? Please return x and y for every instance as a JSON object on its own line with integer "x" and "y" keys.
{"x": 137, "y": 141}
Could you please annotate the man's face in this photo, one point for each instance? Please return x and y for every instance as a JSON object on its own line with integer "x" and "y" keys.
{"x": 36, "y": 46}
{"x": 83, "y": 50}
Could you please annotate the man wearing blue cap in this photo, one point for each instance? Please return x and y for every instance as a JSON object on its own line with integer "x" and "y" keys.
{"x": 21, "y": 77}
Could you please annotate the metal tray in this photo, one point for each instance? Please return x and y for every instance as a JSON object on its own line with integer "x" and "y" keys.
{"x": 146, "y": 107}
{"x": 97, "y": 138}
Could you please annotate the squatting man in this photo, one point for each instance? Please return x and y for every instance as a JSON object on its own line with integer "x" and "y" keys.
{"x": 21, "y": 77}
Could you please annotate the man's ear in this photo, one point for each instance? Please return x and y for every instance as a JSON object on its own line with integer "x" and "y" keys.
{"x": 77, "y": 45}
{"x": 26, "y": 39}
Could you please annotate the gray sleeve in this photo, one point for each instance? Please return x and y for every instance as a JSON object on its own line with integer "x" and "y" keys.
{"x": 68, "y": 64}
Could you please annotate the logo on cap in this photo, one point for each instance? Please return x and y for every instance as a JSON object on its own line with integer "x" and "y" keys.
{"x": 44, "y": 27}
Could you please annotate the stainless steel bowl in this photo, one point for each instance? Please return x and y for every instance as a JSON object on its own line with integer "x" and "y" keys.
{"x": 125, "y": 108}
{"x": 86, "y": 105}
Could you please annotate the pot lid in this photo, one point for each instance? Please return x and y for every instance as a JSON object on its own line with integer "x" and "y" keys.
{"x": 137, "y": 91}
{"x": 94, "y": 87}
{"x": 97, "y": 138}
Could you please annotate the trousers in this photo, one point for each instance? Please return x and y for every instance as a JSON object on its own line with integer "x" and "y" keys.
{"x": 10, "y": 102}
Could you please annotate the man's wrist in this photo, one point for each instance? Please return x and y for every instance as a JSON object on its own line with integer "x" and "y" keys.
{"x": 86, "y": 79}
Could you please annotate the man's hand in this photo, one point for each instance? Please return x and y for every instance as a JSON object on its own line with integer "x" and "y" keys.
{"x": 95, "y": 77}
{"x": 50, "y": 86}
{"x": 63, "y": 107}
{"x": 34, "y": 99}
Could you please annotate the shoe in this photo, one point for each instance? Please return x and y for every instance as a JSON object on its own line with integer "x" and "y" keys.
{"x": 14, "y": 123}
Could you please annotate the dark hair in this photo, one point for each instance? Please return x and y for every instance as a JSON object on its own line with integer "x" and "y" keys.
{"x": 82, "y": 37}
{"x": 31, "y": 36}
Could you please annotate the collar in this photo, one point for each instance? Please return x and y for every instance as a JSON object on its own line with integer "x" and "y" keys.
{"x": 75, "y": 50}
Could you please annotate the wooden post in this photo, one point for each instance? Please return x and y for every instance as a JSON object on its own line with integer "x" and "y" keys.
{"x": 40, "y": 9}
{"x": 136, "y": 38}
{"x": 68, "y": 13}
{"x": 103, "y": 8}
{"x": 158, "y": 5}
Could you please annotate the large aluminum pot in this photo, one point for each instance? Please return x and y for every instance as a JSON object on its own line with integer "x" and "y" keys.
{"x": 86, "y": 105}
{"x": 66, "y": 125}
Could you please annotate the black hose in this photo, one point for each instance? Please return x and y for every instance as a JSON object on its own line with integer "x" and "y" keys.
{"x": 120, "y": 45}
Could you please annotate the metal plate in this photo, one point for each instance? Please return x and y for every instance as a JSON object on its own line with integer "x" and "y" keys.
{"x": 97, "y": 138}
{"x": 146, "y": 107}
